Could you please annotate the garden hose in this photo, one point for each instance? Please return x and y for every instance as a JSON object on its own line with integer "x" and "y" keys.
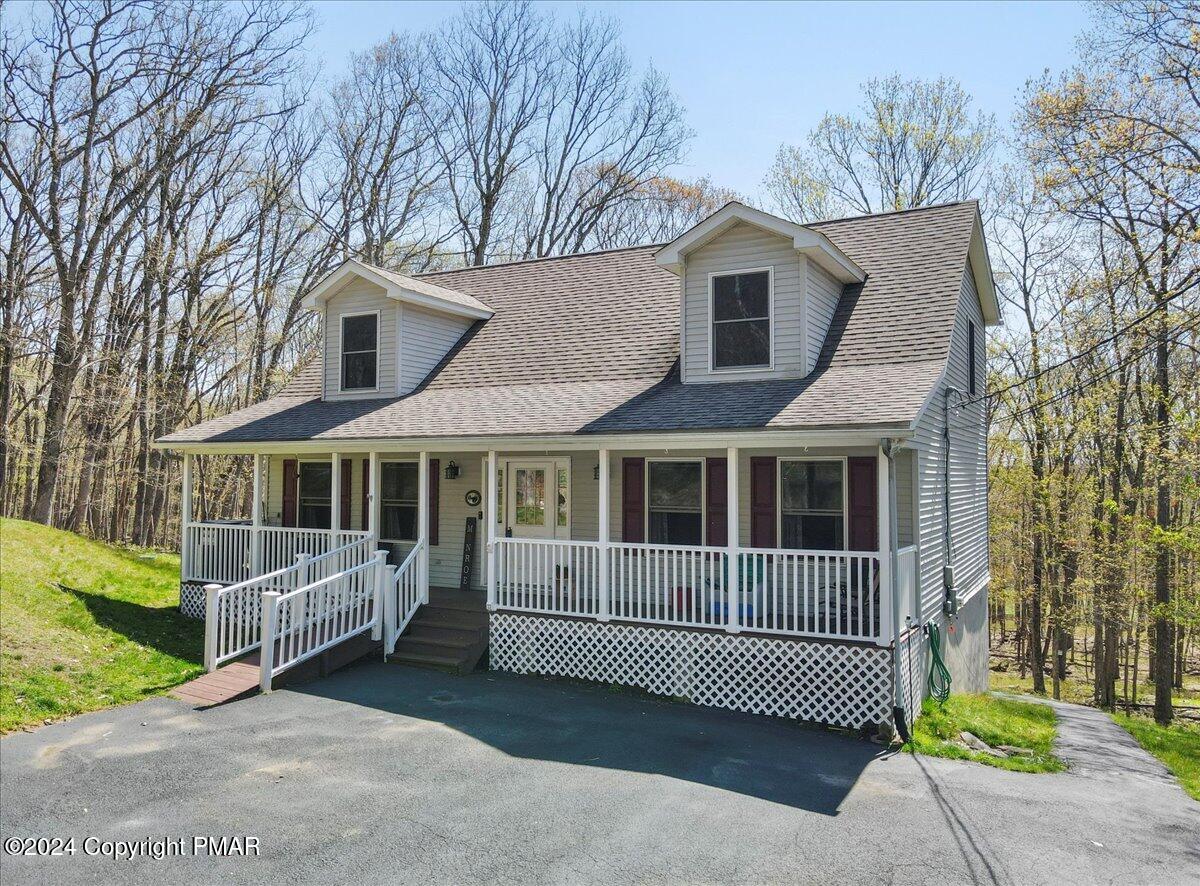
{"x": 939, "y": 674}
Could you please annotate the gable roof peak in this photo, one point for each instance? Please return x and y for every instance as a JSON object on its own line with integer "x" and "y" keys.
{"x": 806, "y": 240}
{"x": 399, "y": 287}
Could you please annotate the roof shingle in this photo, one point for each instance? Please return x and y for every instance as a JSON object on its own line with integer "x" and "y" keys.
{"x": 590, "y": 344}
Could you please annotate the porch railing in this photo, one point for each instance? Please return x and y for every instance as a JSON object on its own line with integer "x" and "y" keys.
{"x": 907, "y": 584}
{"x": 827, "y": 594}
{"x": 233, "y": 614}
{"x": 227, "y": 553}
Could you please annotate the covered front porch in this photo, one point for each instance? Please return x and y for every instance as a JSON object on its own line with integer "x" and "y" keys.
{"x": 627, "y": 535}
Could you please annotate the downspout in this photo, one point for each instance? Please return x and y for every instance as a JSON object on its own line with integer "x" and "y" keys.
{"x": 898, "y": 706}
{"x": 950, "y": 604}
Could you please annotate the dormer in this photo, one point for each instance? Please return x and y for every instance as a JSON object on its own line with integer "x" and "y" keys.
{"x": 382, "y": 332}
{"x": 758, "y": 294}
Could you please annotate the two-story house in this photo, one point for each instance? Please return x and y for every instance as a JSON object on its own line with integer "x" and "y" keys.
{"x": 747, "y": 468}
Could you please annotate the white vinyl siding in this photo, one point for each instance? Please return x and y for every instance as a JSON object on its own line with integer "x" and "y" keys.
{"x": 968, "y": 470}
{"x": 425, "y": 338}
{"x": 356, "y": 297}
{"x": 824, "y": 292}
{"x": 744, "y": 246}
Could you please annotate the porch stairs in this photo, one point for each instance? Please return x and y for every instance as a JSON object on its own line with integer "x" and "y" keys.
{"x": 449, "y": 633}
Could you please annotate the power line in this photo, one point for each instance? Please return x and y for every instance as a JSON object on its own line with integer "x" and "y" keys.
{"x": 1129, "y": 359}
{"x": 1090, "y": 349}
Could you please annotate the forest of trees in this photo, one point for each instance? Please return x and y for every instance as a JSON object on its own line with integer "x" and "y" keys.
{"x": 174, "y": 176}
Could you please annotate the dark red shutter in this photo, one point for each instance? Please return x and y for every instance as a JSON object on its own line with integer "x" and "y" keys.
{"x": 716, "y": 529}
{"x": 633, "y": 499}
{"x": 435, "y": 476}
{"x": 289, "y": 492}
{"x": 762, "y": 501}
{"x": 365, "y": 510}
{"x": 863, "y": 532}
{"x": 346, "y": 475}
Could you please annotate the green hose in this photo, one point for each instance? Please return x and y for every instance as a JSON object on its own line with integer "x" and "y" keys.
{"x": 939, "y": 674}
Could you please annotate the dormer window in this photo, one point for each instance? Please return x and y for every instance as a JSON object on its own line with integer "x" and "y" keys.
{"x": 740, "y": 304}
{"x": 360, "y": 351}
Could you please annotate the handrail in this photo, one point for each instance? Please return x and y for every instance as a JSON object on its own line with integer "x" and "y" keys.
{"x": 304, "y": 622}
{"x": 403, "y": 597}
{"x": 232, "y": 613}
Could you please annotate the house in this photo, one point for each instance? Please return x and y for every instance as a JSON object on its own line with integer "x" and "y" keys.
{"x": 747, "y": 467}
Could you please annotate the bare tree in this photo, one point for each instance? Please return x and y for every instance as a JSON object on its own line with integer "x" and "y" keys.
{"x": 912, "y": 143}
{"x": 601, "y": 138}
{"x": 381, "y": 180}
{"x": 493, "y": 63}
{"x": 94, "y": 84}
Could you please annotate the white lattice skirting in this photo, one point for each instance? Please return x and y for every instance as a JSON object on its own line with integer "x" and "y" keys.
{"x": 833, "y": 683}
{"x": 191, "y": 599}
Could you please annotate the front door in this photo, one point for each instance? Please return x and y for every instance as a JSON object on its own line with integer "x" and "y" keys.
{"x": 532, "y": 499}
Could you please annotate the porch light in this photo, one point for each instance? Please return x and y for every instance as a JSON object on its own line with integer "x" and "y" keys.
{"x": 596, "y": 472}
{"x": 451, "y": 472}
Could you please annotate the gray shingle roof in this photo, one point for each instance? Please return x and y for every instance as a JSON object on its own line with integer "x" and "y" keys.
{"x": 590, "y": 344}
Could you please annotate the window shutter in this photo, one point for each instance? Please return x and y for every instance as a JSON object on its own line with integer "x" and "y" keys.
{"x": 435, "y": 476}
{"x": 633, "y": 499}
{"x": 347, "y": 470}
{"x": 289, "y": 492}
{"x": 863, "y": 532}
{"x": 762, "y": 501}
{"x": 716, "y": 530}
{"x": 365, "y": 511}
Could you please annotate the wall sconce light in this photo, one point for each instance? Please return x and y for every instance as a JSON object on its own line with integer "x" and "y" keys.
{"x": 596, "y": 472}
{"x": 451, "y": 472}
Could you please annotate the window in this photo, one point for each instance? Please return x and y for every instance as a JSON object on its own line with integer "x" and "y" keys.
{"x": 316, "y": 489}
{"x": 741, "y": 320}
{"x": 398, "y": 501}
{"x": 971, "y": 355}
{"x": 360, "y": 351}
{"x": 812, "y": 505}
{"x": 563, "y": 487}
{"x": 675, "y": 502}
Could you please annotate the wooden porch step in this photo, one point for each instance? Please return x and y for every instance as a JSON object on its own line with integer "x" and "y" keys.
{"x": 449, "y": 633}
{"x": 451, "y": 663}
{"x": 235, "y": 680}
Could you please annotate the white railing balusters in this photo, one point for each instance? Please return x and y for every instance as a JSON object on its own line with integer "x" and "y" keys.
{"x": 830, "y": 594}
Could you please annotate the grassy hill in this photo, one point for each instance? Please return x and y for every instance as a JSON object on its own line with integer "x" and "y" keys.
{"x": 85, "y": 625}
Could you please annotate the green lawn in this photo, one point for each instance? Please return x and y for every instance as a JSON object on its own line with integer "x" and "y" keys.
{"x": 995, "y": 720}
{"x": 84, "y": 625}
{"x": 1177, "y": 745}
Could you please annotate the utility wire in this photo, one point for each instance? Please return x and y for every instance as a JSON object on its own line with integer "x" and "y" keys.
{"x": 1142, "y": 318}
{"x": 1099, "y": 376}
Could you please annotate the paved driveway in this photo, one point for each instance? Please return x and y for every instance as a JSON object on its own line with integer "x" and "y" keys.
{"x": 385, "y": 774}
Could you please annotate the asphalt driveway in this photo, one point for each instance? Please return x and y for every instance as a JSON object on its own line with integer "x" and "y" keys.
{"x": 386, "y": 774}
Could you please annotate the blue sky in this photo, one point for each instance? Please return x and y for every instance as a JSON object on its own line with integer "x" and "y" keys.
{"x": 754, "y": 75}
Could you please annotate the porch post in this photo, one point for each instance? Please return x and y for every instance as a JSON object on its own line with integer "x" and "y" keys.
{"x": 604, "y": 603}
{"x": 423, "y": 522}
{"x": 185, "y": 506}
{"x": 373, "y": 496}
{"x": 256, "y": 519}
{"x": 335, "y": 500}
{"x": 732, "y": 506}
{"x": 490, "y": 536}
{"x": 888, "y": 604}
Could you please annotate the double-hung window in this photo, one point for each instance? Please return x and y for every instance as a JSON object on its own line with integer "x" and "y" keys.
{"x": 315, "y": 498}
{"x": 812, "y": 504}
{"x": 360, "y": 352}
{"x": 741, "y": 320}
{"x": 675, "y": 502}
{"x": 398, "y": 501}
